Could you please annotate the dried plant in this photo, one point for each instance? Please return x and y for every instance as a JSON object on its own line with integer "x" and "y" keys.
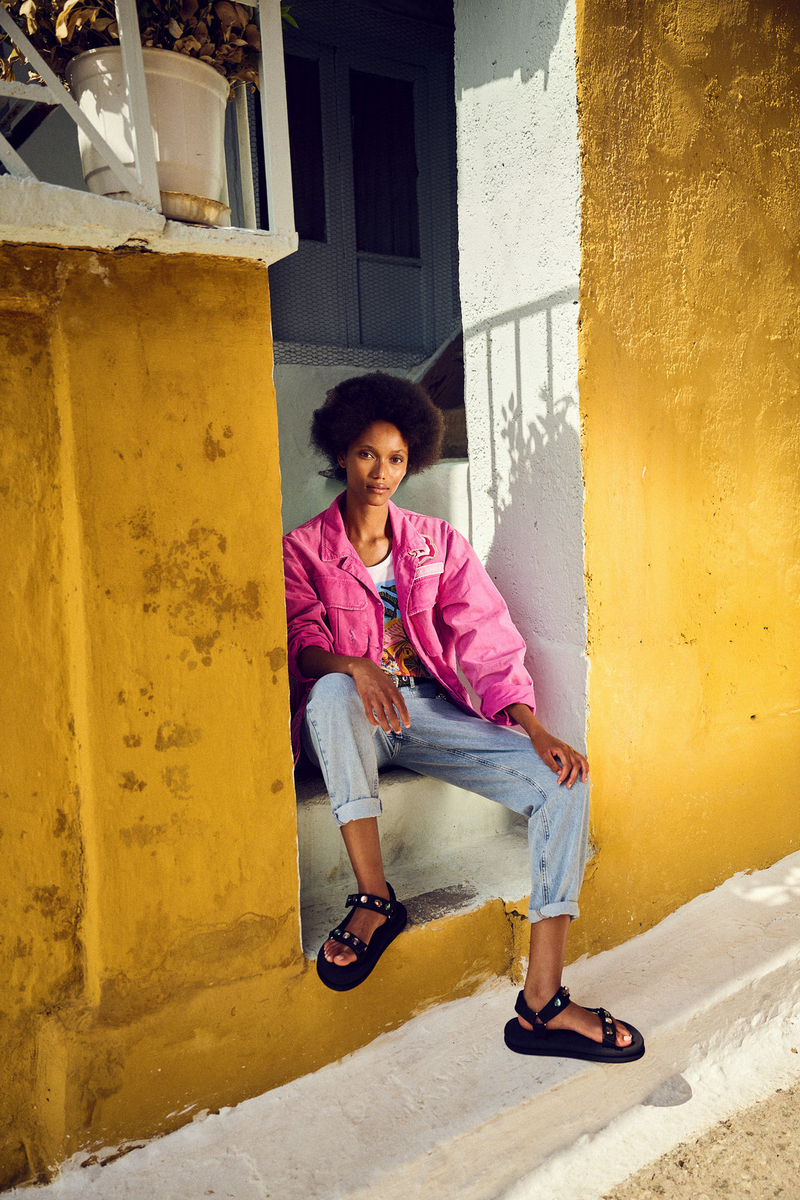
{"x": 221, "y": 33}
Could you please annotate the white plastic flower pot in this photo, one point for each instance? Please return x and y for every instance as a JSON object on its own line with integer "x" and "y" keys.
{"x": 187, "y": 112}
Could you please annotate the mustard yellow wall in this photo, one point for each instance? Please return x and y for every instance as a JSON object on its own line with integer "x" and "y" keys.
{"x": 149, "y": 818}
{"x": 150, "y": 956}
{"x": 690, "y": 127}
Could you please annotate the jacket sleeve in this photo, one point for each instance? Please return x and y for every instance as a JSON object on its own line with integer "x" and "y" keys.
{"x": 306, "y": 620}
{"x": 488, "y": 647}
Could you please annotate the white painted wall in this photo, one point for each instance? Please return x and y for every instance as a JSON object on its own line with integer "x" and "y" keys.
{"x": 519, "y": 247}
{"x": 442, "y": 491}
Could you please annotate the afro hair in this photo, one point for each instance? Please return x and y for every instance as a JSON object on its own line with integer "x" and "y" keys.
{"x": 356, "y": 403}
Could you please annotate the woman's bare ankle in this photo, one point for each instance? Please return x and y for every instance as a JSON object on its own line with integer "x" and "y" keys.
{"x": 373, "y": 887}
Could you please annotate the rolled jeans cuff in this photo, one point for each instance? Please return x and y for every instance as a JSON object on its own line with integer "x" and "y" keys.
{"x": 565, "y": 908}
{"x": 356, "y": 810}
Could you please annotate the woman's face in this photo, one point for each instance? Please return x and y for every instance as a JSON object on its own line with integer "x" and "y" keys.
{"x": 375, "y": 464}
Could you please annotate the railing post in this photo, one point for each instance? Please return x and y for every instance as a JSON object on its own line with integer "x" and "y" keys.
{"x": 12, "y": 161}
{"x": 274, "y": 120}
{"x": 138, "y": 105}
{"x": 245, "y": 158}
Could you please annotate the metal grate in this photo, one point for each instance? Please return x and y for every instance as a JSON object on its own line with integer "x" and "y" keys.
{"x": 369, "y": 357}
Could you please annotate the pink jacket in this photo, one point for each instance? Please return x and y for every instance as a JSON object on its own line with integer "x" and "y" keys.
{"x": 452, "y": 612}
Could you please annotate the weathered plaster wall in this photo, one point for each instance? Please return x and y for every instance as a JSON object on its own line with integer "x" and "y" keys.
{"x": 148, "y": 777}
{"x": 518, "y": 191}
{"x": 689, "y": 390}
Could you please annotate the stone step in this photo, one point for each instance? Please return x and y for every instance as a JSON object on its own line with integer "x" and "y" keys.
{"x": 445, "y": 851}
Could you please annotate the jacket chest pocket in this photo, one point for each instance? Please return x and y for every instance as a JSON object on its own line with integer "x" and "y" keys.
{"x": 425, "y": 590}
{"x": 345, "y": 604}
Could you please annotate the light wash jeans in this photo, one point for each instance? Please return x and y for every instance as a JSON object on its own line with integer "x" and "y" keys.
{"x": 443, "y": 741}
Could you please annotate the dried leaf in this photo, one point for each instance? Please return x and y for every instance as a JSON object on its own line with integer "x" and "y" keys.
{"x": 175, "y": 29}
{"x": 253, "y": 35}
{"x": 188, "y": 9}
{"x": 226, "y": 13}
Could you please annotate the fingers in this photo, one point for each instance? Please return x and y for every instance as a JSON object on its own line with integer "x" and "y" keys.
{"x": 400, "y": 705}
{"x": 387, "y": 718}
{"x": 389, "y": 712}
{"x": 383, "y": 702}
{"x": 569, "y": 764}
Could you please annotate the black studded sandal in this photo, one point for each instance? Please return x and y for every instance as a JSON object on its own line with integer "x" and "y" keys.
{"x": 342, "y": 979}
{"x": 565, "y": 1043}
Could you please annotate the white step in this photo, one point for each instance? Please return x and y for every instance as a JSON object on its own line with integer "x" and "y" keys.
{"x": 441, "y": 1110}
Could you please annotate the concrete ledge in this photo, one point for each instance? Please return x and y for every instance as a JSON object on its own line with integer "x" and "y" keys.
{"x": 441, "y": 1109}
{"x": 31, "y": 211}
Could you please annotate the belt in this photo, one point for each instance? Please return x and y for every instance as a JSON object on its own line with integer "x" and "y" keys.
{"x": 411, "y": 681}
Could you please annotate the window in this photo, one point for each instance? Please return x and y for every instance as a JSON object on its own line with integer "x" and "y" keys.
{"x": 384, "y": 165}
{"x": 372, "y": 135}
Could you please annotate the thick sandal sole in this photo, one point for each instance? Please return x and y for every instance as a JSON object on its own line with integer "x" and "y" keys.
{"x": 565, "y": 1043}
{"x": 343, "y": 979}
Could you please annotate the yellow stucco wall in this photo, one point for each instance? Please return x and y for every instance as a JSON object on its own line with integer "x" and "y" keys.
{"x": 150, "y": 958}
{"x": 149, "y": 816}
{"x": 690, "y": 127}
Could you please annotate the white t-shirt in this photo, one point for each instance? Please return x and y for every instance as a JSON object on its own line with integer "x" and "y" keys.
{"x": 399, "y": 656}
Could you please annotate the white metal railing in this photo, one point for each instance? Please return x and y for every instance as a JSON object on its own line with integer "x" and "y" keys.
{"x": 142, "y": 182}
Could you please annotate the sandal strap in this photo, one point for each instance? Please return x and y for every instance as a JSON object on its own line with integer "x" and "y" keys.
{"x": 554, "y": 1005}
{"x": 375, "y": 903}
{"x": 609, "y": 1028}
{"x": 362, "y": 900}
{"x": 350, "y": 940}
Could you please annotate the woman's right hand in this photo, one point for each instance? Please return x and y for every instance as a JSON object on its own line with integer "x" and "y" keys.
{"x": 382, "y": 699}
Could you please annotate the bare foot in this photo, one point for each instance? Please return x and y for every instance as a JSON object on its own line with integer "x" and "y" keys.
{"x": 363, "y": 924}
{"x": 578, "y": 1019}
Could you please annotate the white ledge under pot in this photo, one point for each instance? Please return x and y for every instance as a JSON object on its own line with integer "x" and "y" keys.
{"x": 187, "y": 112}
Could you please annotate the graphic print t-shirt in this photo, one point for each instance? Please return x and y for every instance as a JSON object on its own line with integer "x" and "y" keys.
{"x": 399, "y": 657}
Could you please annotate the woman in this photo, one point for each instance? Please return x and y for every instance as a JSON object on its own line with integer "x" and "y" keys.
{"x": 383, "y": 606}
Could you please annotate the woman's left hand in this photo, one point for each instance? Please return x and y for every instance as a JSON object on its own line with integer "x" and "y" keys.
{"x": 568, "y": 763}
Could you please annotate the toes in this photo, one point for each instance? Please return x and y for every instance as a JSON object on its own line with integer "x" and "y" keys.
{"x": 624, "y": 1037}
{"x": 342, "y": 956}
